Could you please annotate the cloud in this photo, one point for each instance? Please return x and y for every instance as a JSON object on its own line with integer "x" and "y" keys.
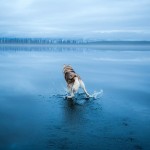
{"x": 86, "y": 18}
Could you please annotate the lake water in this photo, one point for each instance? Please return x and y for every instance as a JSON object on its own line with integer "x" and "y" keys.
{"x": 35, "y": 115}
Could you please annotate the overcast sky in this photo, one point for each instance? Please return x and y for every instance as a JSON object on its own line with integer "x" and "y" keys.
{"x": 103, "y": 19}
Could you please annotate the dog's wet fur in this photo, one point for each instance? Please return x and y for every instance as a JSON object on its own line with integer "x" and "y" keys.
{"x": 73, "y": 81}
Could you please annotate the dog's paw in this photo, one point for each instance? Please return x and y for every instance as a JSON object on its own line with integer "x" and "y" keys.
{"x": 69, "y": 97}
{"x": 88, "y": 96}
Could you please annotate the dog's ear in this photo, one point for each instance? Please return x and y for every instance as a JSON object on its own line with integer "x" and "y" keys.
{"x": 64, "y": 66}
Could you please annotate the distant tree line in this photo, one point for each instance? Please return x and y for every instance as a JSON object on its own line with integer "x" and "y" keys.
{"x": 11, "y": 40}
{"x": 40, "y": 41}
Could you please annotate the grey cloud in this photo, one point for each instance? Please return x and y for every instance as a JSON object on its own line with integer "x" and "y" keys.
{"x": 75, "y": 18}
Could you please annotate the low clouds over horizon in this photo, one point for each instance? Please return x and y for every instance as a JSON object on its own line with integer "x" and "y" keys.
{"x": 116, "y": 19}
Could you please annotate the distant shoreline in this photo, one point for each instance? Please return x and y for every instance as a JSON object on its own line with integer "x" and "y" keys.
{"x": 64, "y": 41}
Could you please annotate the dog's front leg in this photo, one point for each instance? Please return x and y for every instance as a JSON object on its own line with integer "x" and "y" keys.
{"x": 71, "y": 94}
{"x": 70, "y": 91}
{"x": 69, "y": 87}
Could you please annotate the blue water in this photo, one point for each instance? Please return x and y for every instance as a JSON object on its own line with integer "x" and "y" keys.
{"x": 34, "y": 113}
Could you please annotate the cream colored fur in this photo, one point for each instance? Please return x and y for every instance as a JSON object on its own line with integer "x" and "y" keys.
{"x": 73, "y": 88}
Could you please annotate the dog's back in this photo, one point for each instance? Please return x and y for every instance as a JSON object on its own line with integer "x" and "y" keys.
{"x": 69, "y": 74}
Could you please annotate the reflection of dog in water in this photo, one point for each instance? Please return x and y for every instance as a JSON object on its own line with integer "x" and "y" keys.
{"x": 73, "y": 81}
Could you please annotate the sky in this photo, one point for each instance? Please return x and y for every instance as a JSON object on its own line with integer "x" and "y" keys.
{"x": 102, "y": 19}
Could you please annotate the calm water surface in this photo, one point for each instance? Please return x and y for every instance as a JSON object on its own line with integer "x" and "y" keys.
{"x": 35, "y": 115}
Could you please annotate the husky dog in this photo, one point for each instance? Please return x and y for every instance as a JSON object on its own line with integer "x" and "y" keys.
{"x": 73, "y": 81}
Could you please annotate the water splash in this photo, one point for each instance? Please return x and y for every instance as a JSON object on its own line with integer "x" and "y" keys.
{"x": 82, "y": 96}
{"x": 96, "y": 94}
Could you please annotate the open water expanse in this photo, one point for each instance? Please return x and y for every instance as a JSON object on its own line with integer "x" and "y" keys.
{"x": 34, "y": 114}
